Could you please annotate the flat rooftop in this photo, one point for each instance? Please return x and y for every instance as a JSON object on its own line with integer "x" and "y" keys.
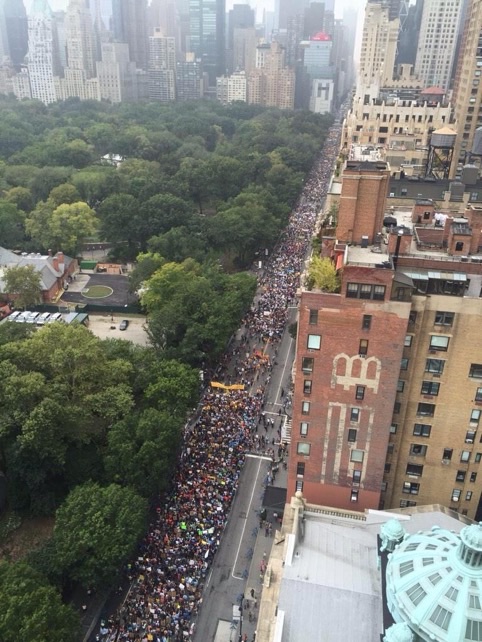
{"x": 332, "y": 589}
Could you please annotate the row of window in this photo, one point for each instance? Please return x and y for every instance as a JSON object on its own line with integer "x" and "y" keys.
{"x": 413, "y": 488}
{"x": 314, "y": 343}
{"x": 356, "y": 455}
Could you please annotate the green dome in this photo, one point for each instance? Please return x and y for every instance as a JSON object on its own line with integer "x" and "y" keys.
{"x": 434, "y": 584}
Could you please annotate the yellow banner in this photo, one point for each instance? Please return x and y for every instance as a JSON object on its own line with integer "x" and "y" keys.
{"x": 235, "y": 386}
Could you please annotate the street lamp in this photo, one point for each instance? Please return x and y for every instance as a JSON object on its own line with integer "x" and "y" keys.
{"x": 240, "y": 638}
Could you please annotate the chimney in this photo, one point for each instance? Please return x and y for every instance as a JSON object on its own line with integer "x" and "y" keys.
{"x": 55, "y": 263}
{"x": 60, "y": 260}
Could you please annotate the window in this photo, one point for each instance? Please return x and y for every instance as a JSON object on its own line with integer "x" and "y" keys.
{"x": 387, "y": 468}
{"x": 404, "y": 503}
{"x": 404, "y": 364}
{"x": 416, "y": 594}
{"x": 360, "y": 393}
{"x": 396, "y": 407}
{"x": 300, "y": 468}
{"x": 478, "y": 394}
{"x": 314, "y": 341}
{"x": 475, "y": 416}
{"x": 410, "y": 488}
{"x": 426, "y": 409}
{"x": 354, "y": 495}
{"x": 468, "y": 496}
{"x": 475, "y": 371}
{"x": 304, "y": 426}
{"x": 414, "y": 469}
{"x": 313, "y": 317}
{"x": 357, "y": 455}
{"x": 438, "y": 342}
{"x": 305, "y": 408}
{"x": 356, "y": 476}
{"x": 473, "y": 477}
{"x": 460, "y": 476}
{"x": 363, "y": 347}
{"x": 400, "y": 385}
{"x": 447, "y": 454}
{"x": 422, "y": 430}
{"x": 307, "y": 386}
{"x": 354, "y": 415}
{"x": 408, "y": 340}
{"x": 367, "y": 321}
{"x": 352, "y": 434}
{"x": 478, "y": 458}
{"x": 365, "y": 291}
{"x": 307, "y": 364}
{"x": 299, "y": 485}
{"x": 430, "y": 388}
{"x": 412, "y": 317}
{"x": 470, "y": 436}
{"x": 303, "y": 448}
{"x": 393, "y": 428}
{"x": 441, "y": 617}
{"x": 435, "y": 366}
{"x": 465, "y": 455}
{"x": 418, "y": 450}
{"x": 444, "y": 318}
{"x": 456, "y": 494}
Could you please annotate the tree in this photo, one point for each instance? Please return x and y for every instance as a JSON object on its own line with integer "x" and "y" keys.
{"x": 146, "y": 265}
{"x": 21, "y": 197}
{"x": 161, "y": 213}
{"x": 64, "y": 228}
{"x": 65, "y": 193}
{"x": 96, "y": 529}
{"x": 322, "y": 275}
{"x": 32, "y": 609}
{"x": 12, "y": 229}
{"x": 23, "y": 283}
{"x": 117, "y": 214}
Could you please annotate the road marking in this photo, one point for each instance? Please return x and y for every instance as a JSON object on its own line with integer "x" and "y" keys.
{"x": 236, "y": 577}
{"x": 259, "y": 457}
{"x": 283, "y": 373}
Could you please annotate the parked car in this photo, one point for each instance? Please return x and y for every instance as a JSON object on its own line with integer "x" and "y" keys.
{"x": 14, "y": 315}
{"x": 32, "y": 318}
{"x": 43, "y": 318}
{"x": 22, "y": 318}
{"x": 123, "y": 324}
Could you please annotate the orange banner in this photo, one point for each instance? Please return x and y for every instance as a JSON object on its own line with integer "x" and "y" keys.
{"x": 235, "y": 386}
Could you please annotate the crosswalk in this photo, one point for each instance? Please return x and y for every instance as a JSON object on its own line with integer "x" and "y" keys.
{"x": 286, "y": 431}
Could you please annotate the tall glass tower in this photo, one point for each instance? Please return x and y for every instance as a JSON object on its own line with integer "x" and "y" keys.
{"x": 206, "y": 35}
{"x": 14, "y": 30}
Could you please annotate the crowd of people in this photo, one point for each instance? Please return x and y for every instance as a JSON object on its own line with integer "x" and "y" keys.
{"x": 167, "y": 577}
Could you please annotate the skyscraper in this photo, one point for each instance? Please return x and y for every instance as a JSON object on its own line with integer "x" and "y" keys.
{"x": 467, "y": 97}
{"x": 162, "y": 67}
{"x": 80, "y": 38}
{"x": 437, "y": 42}
{"x": 206, "y": 35}
{"x": 14, "y": 30}
{"x": 379, "y": 48}
{"x": 40, "y": 51}
{"x": 129, "y": 19}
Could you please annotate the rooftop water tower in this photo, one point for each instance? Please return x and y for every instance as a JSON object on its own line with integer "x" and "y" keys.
{"x": 441, "y": 151}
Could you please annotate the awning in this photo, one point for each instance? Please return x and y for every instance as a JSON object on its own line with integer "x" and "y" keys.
{"x": 425, "y": 275}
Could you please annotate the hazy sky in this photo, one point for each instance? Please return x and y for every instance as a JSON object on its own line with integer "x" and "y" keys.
{"x": 340, "y": 5}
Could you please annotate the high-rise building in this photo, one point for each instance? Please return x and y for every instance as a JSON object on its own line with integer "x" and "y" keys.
{"x": 272, "y": 83}
{"x": 286, "y": 9}
{"x": 409, "y": 34}
{"x": 240, "y": 18}
{"x": 164, "y": 15}
{"x": 378, "y": 49}
{"x": 319, "y": 73}
{"x": 207, "y": 36}
{"x": 437, "y": 41}
{"x": 129, "y": 19}
{"x": 80, "y": 38}
{"x": 40, "y": 55}
{"x": 188, "y": 79}
{"x": 117, "y": 74}
{"x": 467, "y": 95}
{"x": 244, "y": 49}
{"x": 13, "y": 31}
{"x": 313, "y": 19}
{"x": 162, "y": 67}
{"x": 231, "y": 88}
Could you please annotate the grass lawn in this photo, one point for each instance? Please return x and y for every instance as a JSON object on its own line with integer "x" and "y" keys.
{"x": 25, "y": 536}
{"x": 97, "y": 292}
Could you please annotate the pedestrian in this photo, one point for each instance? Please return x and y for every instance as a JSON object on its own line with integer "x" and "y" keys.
{"x": 252, "y": 592}
{"x": 266, "y": 531}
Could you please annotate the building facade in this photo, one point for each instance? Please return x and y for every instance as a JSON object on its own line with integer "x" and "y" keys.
{"x": 272, "y": 83}
{"x": 40, "y": 63}
{"x": 467, "y": 96}
{"x": 129, "y": 19}
{"x": 437, "y": 42}
{"x": 162, "y": 67}
{"x": 232, "y": 88}
{"x": 207, "y": 35}
{"x": 388, "y": 372}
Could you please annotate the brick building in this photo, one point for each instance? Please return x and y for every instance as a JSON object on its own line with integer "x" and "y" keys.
{"x": 54, "y": 271}
{"x": 388, "y": 372}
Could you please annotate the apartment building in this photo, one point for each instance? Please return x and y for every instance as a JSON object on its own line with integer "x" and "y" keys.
{"x": 388, "y": 371}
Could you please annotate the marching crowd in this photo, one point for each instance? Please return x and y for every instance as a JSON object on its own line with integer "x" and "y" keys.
{"x": 172, "y": 562}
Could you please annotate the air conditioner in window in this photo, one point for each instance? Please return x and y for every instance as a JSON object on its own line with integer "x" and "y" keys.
{"x": 469, "y": 441}
{"x": 446, "y": 462}
{"x": 362, "y": 356}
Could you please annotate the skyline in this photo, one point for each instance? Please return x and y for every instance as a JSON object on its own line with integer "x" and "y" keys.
{"x": 260, "y": 5}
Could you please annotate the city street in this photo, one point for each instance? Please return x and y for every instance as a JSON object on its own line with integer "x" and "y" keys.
{"x": 235, "y": 569}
